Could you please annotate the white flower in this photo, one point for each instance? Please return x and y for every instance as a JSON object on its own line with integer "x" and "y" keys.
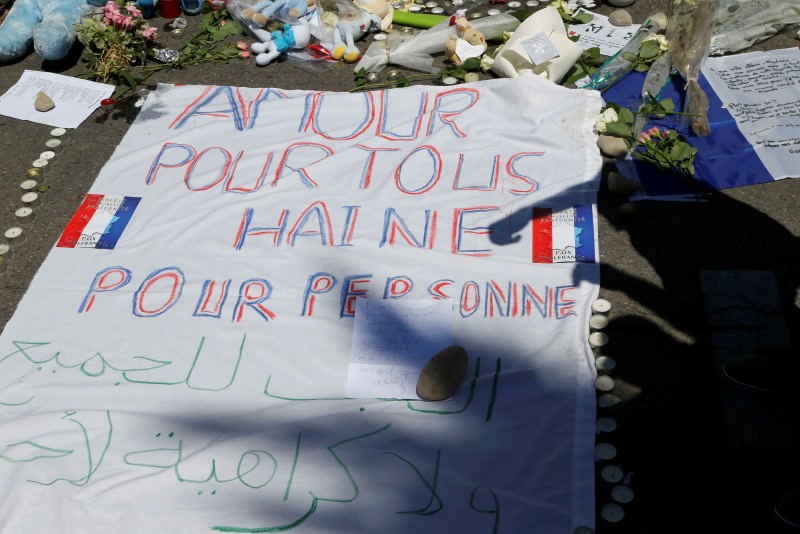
{"x": 486, "y": 62}
{"x": 609, "y": 115}
{"x": 663, "y": 45}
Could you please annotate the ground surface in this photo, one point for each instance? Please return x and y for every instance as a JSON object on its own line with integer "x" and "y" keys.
{"x": 700, "y": 456}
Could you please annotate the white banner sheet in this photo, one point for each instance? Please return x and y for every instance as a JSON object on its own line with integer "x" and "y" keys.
{"x": 188, "y": 373}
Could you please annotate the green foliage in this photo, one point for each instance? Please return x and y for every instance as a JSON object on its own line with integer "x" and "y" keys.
{"x": 587, "y": 65}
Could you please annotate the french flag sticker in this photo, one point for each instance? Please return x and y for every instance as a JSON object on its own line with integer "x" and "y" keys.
{"x": 98, "y": 222}
{"x": 564, "y": 236}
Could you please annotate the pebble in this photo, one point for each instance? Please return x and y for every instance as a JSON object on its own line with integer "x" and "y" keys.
{"x": 442, "y": 375}
{"x": 43, "y": 102}
{"x": 613, "y": 147}
{"x": 620, "y": 17}
{"x": 620, "y": 184}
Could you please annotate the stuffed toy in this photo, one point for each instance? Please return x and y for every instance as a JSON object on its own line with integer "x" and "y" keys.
{"x": 285, "y": 10}
{"x": 465, "y": 33}
{"x": 347, "y": 23}
{"x": 382, "y": 8}
{"x": 45, "y": 23}
{"x": 273, "y": 43}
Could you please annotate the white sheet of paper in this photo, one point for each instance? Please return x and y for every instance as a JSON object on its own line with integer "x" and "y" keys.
{"x": 75, "y": 99}
{"x": 602, "y": 34}
{"x": 466, "y": 50}
{"x": 762, "y": 92}
{"x": 392, "y": 341}
{"x": 540, "y": 48}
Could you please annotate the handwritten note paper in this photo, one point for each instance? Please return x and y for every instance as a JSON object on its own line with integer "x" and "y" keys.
{"x": 392, "y": 340}
{"x": 75, "y": 99}
{"x": 601, "y": 33}
{"x": 762, "y": 92}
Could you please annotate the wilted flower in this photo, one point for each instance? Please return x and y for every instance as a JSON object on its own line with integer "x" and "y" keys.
{"x": 149, "y": 33}
{"x": 241, "y": 45}
{"x": 244, "y": 55}
{"x": 133, "y": 10}
{"x": 486, "y": 62}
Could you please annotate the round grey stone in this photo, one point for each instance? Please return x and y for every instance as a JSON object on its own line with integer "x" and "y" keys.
{"x": 613, "y": 147}
{"x": 620, "y": 184}
{"x": 620, "y": 17}
{"x": 442, "y": 375}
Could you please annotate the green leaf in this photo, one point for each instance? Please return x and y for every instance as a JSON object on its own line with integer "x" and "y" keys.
{"x": 472, "y": 64}
{"x": 625, "y": 115}
{"x": 125, "y": 75}
{"x": 577, "y": 74}
{"x": 649, "y": 50}
{"x": 630, "y": 56}
{"x": 668, "y": 105}
{"x": 583, "y": 18}
{"x": 618, "y": 129}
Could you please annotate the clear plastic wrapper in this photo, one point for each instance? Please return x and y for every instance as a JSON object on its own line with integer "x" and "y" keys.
{"x": 416, "y": 53}
{"x": 739, "y": 24}
{"x": 689, "y": 37}
{"x": 655, "y": 80}
{"x": 617, "y": 66}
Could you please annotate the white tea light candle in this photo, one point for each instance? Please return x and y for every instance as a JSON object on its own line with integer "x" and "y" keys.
{"x": 5, "y": 251}
{"x": 29, "y": 184}
{"x": 604, "y": 383}
{"x": 30, "y": 199}
{"x": 40, "y": 164}
{"x": 601, "y": 306}
{"x": 605, "y": 364}
{"x": 14, "y": 235}
{"x": 606, "y": 424}
{"x": 606, "y": 400}
{"x": 598, "y": 321}
{"x": 58, "y": 132}
{"x": 604, "y": 451}
{"x": 24, "y": 215}
{"x": 622, "y": 494}
{"x": 612, "y": 512}
{"x": 598, "y": 339}
{"x": 54, "y": 144}
{"x": 47, "y": 154}
{"x": 611, "y": 473}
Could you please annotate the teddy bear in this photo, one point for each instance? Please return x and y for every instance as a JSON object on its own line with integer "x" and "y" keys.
{"x": 284, "y": 10}
{"x": 466, "y": 33}
{"x": 48, "y": 24}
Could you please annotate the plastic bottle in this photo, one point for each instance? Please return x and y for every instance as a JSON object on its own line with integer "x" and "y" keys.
{"x": 191, "y": 7}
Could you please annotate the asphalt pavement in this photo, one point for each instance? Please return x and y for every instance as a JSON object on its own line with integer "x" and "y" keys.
{"x": 700, "y": 456}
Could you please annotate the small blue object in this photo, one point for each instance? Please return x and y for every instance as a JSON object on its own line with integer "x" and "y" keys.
{"x": 191, "y": 7}
{"x": 147, "y": 7}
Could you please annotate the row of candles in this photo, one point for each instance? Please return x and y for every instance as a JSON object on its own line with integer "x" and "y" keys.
{"x": 30, "y": 197}
{"x": 604, "y": 452}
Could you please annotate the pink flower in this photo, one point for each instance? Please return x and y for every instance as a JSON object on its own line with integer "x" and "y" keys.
{"x": 133, "y": 10}
{"x": 664, "y": 134}
{"x": 110, "y": 7}
{"x": 654, "y": 131}
{"x": 244, "y": 55}
{"x": 149, "y": 33}
{"x": 643, "y": 137}
{"x": 118, "y": 19}
{"x": 241, "y": 45}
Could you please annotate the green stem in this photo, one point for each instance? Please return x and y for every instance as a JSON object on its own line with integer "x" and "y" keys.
{"x": 392, "y": 83}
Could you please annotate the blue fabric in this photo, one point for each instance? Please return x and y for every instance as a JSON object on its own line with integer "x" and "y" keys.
{"x": 725, "y": 159}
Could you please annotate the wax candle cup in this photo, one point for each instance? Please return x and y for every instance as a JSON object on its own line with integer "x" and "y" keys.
{"x": 392, "y": 75}
{"x": 601, "y": 306}
{"x": 606, "y": 424}
{"x": 437, "y": 10}
{"x": 604, "y": 383}
{"x": 611, "y": 473}
{"x": 47, "y": 154}
{"x": 598, "y": 339}
{"x": 471, "y": 77}
{"x": 598, "y": 321}
{"x": 493, "y": 12}
{"x": 380, "y": 37}
{"x": 513, "y": 5}
{"x": 58, "y": 132}
{"x": 29, "y": 184}
{"x": 605, "y": 364}
{"x": 372, "y": 77}
{"x": 604, "y": 451}
{"x": 431, "y": 5}
{"x": 622, "y": 494}
{"x": 607, "y": 400}
{"x": 54, "y": 144}
{"x": 475, "y": 15}
{"x": 107, "y": 104}
{"x": 532, "y": 3}
{"x": 449, "y": 80}
{"x": 14, "y": 235}
{"x": 30, "y": 199}
{"x": 612, "y": 512}
{"x": 33, "y": 174}
{"x": 24, "y": 215}
{"x": 5, "y": 251}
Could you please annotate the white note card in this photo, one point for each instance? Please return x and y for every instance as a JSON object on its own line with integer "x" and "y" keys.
{"x": 392, "y": 341}
{"x": 540, "y": 48}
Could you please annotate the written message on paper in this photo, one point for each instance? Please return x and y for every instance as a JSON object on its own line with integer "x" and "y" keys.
{"x": 392, "y": 340}
{"x": 762, "y": 92}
